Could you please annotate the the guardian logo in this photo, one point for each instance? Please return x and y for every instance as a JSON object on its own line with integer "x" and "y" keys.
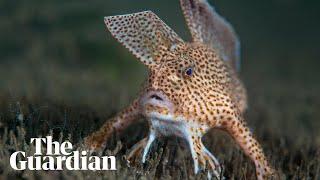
{"x": 59, "y": 156}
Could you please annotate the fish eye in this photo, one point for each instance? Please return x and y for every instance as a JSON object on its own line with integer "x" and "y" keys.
{"x": 189, "y": 71}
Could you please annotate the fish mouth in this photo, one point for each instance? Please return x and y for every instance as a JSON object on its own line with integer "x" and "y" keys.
{"x": 156, "y": 102}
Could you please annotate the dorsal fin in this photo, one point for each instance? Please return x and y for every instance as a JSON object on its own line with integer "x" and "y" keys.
{"x": 207, "y": 26}
{"x": 144, "y": 34}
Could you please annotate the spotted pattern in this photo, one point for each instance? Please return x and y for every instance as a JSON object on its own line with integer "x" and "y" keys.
{"x": 212, "y": 96}
{"x": 143, "y": 33}
{"x": 219, "y": 35}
